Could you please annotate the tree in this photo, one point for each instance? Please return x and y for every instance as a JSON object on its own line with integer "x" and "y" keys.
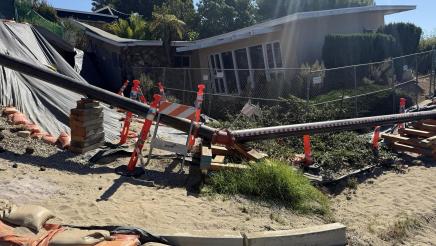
{"x": 136, "y": 27}
{"x": 221, "y": 16}
{"x": 271, "y": 9}
{"x": 168, "y": 28}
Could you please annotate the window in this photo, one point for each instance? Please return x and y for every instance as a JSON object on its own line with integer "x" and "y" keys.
{"x": 182, "y": 61}
{"x": 217, "y": 73}
{"x": 258, "y": 64}
{"x": 274, "y": 59}
{"x": 242, "y": 65}
{"x": 229, "y": 72}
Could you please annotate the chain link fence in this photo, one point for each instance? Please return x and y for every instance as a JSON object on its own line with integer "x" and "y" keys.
{"x": 360, "y": 90}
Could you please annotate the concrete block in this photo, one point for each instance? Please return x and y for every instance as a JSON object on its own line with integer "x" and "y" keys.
{"x": 209, "y": 238}
{"x": 324, "y": 235}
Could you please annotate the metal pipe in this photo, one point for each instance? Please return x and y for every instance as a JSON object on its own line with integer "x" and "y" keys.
{"x": 328, "y": 126}
{"x": 97, "y": 93}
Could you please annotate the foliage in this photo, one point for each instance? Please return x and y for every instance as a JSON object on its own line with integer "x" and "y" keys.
{"x": 427, "y": 43}
{"x": 182, "y": 9}
{"x": 45, "y": 10}
{"x": 222, "y": 16}
{"x": 425, "y": 60}
{"x": 272, "y": 181}
{"x": 136, "y": 28}
{"x": 270, "y": 9}
{"x": 335, "y": 152}
{"x": 167, "y": 26}
{"x": 348, "y": 49}
{"x": 407, "y": 35}
{"x": 27, "y": 14}
{"x": 73, "y": 34}
{"x": 401, "y": 228}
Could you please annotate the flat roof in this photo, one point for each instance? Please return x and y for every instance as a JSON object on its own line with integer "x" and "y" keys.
{"x": 122, "y": 42}
{"x": 273, "y": 25}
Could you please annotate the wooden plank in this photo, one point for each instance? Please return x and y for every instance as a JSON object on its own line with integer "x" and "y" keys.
{"x": 424, "y": 127}
{"x": 218, "y": 166}
{"x": 405, "y": 140}
{"x": 408, "y": 148}
{"x": 429, "y": 121}
{"x": 415, "y": 132}
{"x": 257, "y": 155}
{"x": 206, "y": 157}
{"x": 218, "y": 159}
{"x": 219, "y": 150}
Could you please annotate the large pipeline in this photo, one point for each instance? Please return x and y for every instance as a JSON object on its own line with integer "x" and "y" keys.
{"x": 205, "y": 132}
{"x": 94, "y": 92}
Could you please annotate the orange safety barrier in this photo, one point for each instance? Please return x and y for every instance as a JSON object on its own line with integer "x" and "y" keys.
{"x": 376, "y": 138}
{"x": 177, "y": 110}
{"x": 307, "y": 150}
{"x": 402, "y": 111}
{"x": 129, "y": 115}
{"x": 196, "y": 121}
{"x": 144, "y": 133}
{"x": 123, "y": 87}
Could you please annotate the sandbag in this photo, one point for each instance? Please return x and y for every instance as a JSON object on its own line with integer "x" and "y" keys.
{"x": 78, "y": 237}
{"x": 64, "y": 140}
{"x": 49, "y": 139}
{"x": 30, "y": 216}
{"x": 19, "y": 119}
{"x": 10, "y": 110}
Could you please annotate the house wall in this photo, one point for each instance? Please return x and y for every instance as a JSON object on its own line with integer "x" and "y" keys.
{"x": 300, "y": 41}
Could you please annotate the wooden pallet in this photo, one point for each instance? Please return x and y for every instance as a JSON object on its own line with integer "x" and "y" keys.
{"x": 419, "y": 138}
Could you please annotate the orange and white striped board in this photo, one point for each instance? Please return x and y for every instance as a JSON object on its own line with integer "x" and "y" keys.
{"x": 177, "y": 110}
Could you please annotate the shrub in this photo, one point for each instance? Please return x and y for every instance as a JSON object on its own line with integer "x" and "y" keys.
{"x": 46, "y": 10}
{"x": 272, "y": 181}
{"x": 407, "y": 36}
{"x": 349, "y": 49}
{"x": 425, "y": 60}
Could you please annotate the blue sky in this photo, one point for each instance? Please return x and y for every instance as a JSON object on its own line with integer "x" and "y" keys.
{"x": 422, "y": 16}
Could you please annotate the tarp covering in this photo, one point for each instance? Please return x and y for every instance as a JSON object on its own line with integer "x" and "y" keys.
{"x": 44, "y": 104}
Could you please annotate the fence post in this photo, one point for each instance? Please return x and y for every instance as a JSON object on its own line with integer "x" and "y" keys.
{"x": 184, "y": 86}
{"x": 308, "y": 80}
{"x": 355, "y": 90}
{"x": 393, "y": 87}
{"x": 433, "y": 71}
{"x": 417, "y": 81}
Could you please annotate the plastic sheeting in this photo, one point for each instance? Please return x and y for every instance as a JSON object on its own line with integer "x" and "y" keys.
{"x": 44, "y": 104}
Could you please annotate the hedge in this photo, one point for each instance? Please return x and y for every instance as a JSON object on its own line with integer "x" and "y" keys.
{"x": 349, "y": 49}
{"x": 407, "y": 35}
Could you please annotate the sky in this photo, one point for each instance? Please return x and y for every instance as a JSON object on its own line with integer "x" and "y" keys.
{"x": 422, "y": 16}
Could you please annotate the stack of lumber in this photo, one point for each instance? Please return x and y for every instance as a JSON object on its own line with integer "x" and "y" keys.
{"x": 86, "y": 123}
{"x": 419, "y": 138}
{"x": 213, "y": 158}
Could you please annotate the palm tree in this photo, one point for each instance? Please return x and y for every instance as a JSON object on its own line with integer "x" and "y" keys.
{"x": 167, "y": 27}
{"x": 136, "y": 27}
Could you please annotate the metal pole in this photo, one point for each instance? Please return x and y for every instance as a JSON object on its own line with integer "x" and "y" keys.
{"x": 100, "y": 94}
{"x": 433, "y": 72}
{"x": 417, "y": 81}
{"x": 393, "y": 87}
{"x": 309, "y": 77}
{"x": 355, "y": 90}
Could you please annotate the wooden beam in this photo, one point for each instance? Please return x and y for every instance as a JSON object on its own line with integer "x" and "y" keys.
{"x": 219, "y": 150}
{"x": 218, "y": 166}
{"x": 218, "y": 159}
{"x": 412, "y": 149}
{"x": 405, "y": 140}
{"x": 424, "y": 127}
{"x": 415, "y": 132}
{"x": 206, "y": 157}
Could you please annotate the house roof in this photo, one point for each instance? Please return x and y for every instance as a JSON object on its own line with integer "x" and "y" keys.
{"x": 111, "y": 11}
{"x": 104, "y": 36}
{"x": 83, "y": 15}
{"x": 274, "y": 25}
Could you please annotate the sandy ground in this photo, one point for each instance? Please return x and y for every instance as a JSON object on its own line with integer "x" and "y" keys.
{"x": 373, "y": 208}
{"x": 84, "y": 195}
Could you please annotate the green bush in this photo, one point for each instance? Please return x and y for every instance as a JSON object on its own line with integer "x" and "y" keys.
{"x": 407, "y": 36}
{"x": 349, "y": 49}
{"x": 45, "y": 10}
{"x": 425, "y": 60}
{"x": 272, "y": 181}
{"x": 27, "y": 14}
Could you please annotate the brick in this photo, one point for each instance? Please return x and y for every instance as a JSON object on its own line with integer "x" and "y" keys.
{"x": 90, "y": 138}
{"x": 89, "y": 111}
{"x": 324, "y": 235}
{"x": 79, "y": 150}
{"x": 86, "y": 131}
{"x": 87, "y": 104}
{"x": 86, "y": 123}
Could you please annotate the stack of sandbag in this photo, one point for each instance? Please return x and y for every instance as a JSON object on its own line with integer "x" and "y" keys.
{"x": 35, "y": 219}
{"x": 86, "y": 123}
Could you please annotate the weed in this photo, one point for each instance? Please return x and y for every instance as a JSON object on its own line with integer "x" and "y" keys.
{"x": 352, "y": 183}
{"x": 272, "y": 181}
{"x": 400, "y": 229}
{"x": 277, "y": 218}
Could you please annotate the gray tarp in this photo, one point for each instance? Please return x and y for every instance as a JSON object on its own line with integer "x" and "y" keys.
{"x": 44, "y": 104}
